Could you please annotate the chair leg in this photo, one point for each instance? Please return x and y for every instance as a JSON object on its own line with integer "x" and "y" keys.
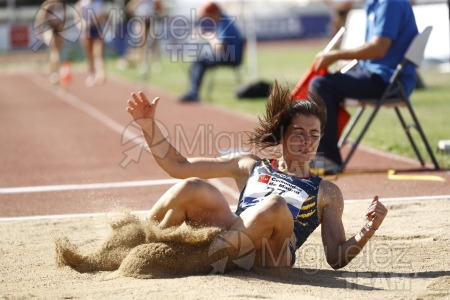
{"x": 361, "y": 134}
{"x": 212, "y": 79}
{"x": 408, "y": 134}
{"x": 350, "y": 126}
{"x": 211, "y": 82}
{"x": 237, "y": 73}
{"x": 422, "y": 135}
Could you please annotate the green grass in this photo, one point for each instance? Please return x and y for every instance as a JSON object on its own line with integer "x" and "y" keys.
{"x": 286, "y": 64}
{"x": 432, "y": 108}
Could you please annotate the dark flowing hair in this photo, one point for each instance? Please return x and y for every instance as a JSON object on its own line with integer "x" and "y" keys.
{"x": 281, "y": 108}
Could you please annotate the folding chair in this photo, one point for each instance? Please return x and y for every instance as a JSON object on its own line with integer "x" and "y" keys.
{"x": 394, "y": 96}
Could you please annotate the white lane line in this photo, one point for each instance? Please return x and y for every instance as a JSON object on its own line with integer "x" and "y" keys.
{"x": 88, "y": 186}
{"x": 401, "y": 199}
{"x": 141, "y": 213}
{"x": 100, "y": 116}
{"x": 60, "y": 217}
{"x": 232, "y": 207}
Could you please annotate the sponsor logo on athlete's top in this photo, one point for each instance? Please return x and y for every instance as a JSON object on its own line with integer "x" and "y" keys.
{"x": 264, "y": 178}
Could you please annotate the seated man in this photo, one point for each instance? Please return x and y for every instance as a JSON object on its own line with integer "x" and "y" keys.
{"x": 390, "y": 29}
{"x": 226, "y": 48}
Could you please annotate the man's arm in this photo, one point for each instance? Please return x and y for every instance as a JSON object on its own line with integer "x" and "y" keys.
{"x": 213, "y": 40}
{"x": 377, "y": 48}
{"x": 339, "y": 251}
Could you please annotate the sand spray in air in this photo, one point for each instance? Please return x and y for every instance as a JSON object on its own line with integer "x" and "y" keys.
{"x": 142, "y": 249}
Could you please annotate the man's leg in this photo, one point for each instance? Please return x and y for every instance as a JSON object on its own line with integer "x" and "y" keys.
{"x": 197, "y": 71}
{"x": 195, "y": 202}
{"x": 333, "y": 88}
{"x": 88, "y": 44}
{"x": 99, "y": 62}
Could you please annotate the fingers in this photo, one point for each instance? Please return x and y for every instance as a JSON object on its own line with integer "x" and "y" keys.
{"x": 374, "y": 202}
{"x": 376, "y": 209}
{"x": 372, "y": 206}
{"x": 132, "y": 104}
{"x": 139, "y": 105}
{"x": 372, "y": 215}
{"x": 155, "y": 101}
{"x": 376, "y": 213}
{"x": 137, "y": 98}
{"x": 320, "y": 65}
{"x": 135, "y": 101}
{"x": 143, "y": 97}
{"x": 316, "y": 65}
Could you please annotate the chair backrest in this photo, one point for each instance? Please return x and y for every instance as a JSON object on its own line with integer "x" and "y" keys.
{"x": 416, "y": 50}
{"x": 243, "y": 48}
{"x": 336, "y": 38}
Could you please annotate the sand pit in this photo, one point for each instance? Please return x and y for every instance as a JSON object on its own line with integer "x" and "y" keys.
{"x": 407, "y": 259}
{"x": 141, "y": 249}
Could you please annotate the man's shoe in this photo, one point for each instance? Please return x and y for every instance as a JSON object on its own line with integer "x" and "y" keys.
{"x": 324, "y": 166}
{"x": 333, "y": 170}
{"x": 188, "y": 98}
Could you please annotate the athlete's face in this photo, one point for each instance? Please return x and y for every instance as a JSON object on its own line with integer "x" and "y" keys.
{"x": 301, "y": 138}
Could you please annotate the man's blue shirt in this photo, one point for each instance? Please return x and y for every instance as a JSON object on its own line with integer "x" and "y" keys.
{"x": 393, "y": 19}
{"x": 228, "y": 33}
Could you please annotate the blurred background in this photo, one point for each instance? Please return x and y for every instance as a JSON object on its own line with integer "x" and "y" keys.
{"x": 266, "y": 20}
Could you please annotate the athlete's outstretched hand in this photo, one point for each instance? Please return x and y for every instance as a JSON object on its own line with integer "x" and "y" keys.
{"x": 140, "y": 108}
{"x": 376, "y": 213}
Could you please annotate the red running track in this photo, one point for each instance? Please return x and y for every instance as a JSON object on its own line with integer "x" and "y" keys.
{"x": 70, "y": 151}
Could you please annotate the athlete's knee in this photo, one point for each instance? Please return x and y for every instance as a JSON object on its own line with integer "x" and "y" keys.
{"x": 316, "y": 83}
{"x": 321, "y": 85}
{"x": 192, "y": 184}
{"x": 182, "y": 194}
{"x": 194, "y": 189}
{"x": 183, "y": 190}
{"x": 275, "y": 200}
{"x": 275, "y": 205}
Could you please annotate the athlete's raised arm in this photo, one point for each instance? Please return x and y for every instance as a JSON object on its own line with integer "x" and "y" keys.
{"x": 168, "y": 157}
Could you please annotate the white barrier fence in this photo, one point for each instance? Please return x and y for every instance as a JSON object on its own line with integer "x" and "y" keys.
{"x": 21, "y": 35}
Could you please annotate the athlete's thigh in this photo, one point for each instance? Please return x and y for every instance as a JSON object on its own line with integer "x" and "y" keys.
{"x": 208, "y": 206}
{"x": 269, "y": 225}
